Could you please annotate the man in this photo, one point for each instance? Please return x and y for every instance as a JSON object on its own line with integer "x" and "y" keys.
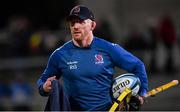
{"x": 86, "y": 65}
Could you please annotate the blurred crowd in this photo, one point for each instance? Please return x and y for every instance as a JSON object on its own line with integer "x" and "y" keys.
{"x": 19, "y": 38}
{"x": 164, "y": 32}
{"x": 16, "y": 93}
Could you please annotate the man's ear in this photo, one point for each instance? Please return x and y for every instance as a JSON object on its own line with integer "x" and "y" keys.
{"x": 93, "y": 25}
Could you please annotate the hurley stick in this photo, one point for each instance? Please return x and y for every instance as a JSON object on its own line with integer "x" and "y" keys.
{"x": 161, "y": 88}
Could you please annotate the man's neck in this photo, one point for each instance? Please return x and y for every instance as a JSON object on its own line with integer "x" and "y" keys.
{"x": 85, "y": 42}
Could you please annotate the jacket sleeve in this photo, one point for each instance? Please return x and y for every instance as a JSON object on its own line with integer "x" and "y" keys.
{"x": 51, "y": 70}
{"x": 126, "y": 61}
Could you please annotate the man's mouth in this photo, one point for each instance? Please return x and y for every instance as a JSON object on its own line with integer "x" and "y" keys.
{"x": 77, "y": 32}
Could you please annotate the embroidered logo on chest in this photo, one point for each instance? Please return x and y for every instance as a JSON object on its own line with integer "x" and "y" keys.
{"x": 72, "y": 65}
{"x": 99, "y": 59}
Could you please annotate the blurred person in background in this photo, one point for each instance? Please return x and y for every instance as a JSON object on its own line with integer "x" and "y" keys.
{"x": 152, "y": 33}
{"x": 87, "y": 65}
{"x": 21, "y": 93}
{"x": 167, "y": 33}
{"x": 136, "y": 42}
{"x": 19, "y": 33}
{"x": 103, "y": 29}
{"x": 4, "y": 94}
{"x": 43, "y": 41}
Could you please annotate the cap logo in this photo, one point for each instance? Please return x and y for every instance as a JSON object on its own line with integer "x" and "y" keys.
{"x": 76, "y": 9}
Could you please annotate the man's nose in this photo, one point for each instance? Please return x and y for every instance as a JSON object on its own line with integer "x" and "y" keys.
{"x": 76, "y": 25}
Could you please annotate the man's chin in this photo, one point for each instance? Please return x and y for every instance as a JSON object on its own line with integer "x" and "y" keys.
{"x": 77, "y": 38}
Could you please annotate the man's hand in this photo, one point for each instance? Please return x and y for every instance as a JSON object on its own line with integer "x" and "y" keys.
{"x": 141, "y": 99}
{"x": 135, "y": 103}
{"x": 47, "y": 84}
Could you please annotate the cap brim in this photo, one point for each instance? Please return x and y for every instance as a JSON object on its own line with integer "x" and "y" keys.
{"x": 69, "y": 18}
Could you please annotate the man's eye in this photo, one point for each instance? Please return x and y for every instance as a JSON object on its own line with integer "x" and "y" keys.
{"x": 72, "y": 23}
{"x": 81, "y": 21}
{"x": 77, "y": 21}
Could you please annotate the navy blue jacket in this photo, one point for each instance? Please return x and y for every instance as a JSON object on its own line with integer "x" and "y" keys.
{"x": 57, "y": 100}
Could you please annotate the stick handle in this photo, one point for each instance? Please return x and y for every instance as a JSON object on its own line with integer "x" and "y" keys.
{"x": 161, "y": 88}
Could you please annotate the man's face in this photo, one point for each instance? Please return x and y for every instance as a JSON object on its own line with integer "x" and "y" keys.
{"x": 80, "y": 28}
